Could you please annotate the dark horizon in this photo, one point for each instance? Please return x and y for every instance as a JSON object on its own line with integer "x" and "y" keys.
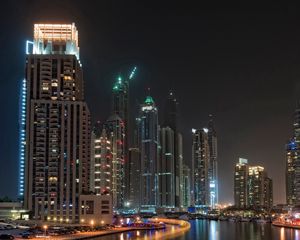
{"x": 239, "y": 64}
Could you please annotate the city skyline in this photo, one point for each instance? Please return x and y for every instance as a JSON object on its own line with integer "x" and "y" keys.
{"x": 259, "y": 148}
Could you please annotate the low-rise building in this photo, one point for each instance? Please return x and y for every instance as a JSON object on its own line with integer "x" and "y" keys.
{"x": 13, "y": 211}
{"x": 96, "y": 209}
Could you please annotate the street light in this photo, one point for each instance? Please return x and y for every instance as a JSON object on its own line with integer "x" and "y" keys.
{"x": 92, "y": 223}
{"x": 45, "y": 228}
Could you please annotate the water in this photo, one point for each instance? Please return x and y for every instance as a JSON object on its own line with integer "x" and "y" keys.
{"x": 219, "y": 230}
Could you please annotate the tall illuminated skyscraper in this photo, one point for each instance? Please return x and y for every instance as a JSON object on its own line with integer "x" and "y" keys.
{"x": 171, "y": 120}
{"x": 293, "y": 163}
{"x": 166, "y": 169}
{"x": 120, "y": 107}
{"x": 260, "y": 188}
{"x": 252, "y": 186}
{"x": 241, "y": 183}
{"x": 186, "y": 186}
{"x": 291, "y": 157}
{"x": 135, "y": 169}
{"x": 57, "y": 125}
{"x": 148, "y": 132}
{"x": 115, "y": 130}
{"x": 213, "y": 164}
{"x": 200, "y": 167}
{"x": 102, "y": 164}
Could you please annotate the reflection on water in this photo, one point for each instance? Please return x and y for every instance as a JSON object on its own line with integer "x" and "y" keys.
{"x": 217, "y": 230}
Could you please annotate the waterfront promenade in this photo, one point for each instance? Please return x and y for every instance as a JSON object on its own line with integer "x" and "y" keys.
{"x": 174, "y": 228}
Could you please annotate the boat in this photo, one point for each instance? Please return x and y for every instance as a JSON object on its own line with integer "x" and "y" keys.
{"x": 232, "y": 219}
{"x": 184, "y": 217}
{"x": 261, "y": 220}
{"x": 223, "y": 218}
{"x": 245, "y": 219}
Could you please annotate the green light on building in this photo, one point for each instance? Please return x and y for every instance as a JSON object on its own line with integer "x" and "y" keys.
{"x": 149, "y": 100}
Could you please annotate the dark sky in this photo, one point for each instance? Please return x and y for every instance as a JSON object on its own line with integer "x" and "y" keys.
{"x": 240, "y": 63}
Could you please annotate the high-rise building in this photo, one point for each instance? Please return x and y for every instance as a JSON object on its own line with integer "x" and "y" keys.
{"x": 115, "y": 130}
{"x": 200, "y": 167}
{"x": 291, "y": 157}
{"x": 241, "y": 183}
{"x": 256, "y": 181}
{"x": 148, "y": 132}
{"x": 260, "y": 188}
{"x": 120, "y": 107}
{"x": 293, "y": 163}
{"x": 213, "y": 164}
{"x": 185, "y": 186}
{"x": 135, "y": 178}
{"x": 57, "y": 125}
{"x": 171, "y": 118}
{"x": 178, "y": 167}
{"x": 134, "y": 170}
{"x": 252, "y": 186}
{"x": 268, "y": 193}
{"x": 166, "y": 169}
{"x": 102, "y": 165}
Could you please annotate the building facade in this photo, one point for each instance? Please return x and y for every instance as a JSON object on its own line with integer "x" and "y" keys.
{"x": 241, "y": 173}
{"x": 185, "y": 187}
{"x": 96, "y": 210}
{"x": 57, "y": 161}
{"x": 293, "y": 163}
{"x": 200, "y": 167}
{"x": 213, "y": 163}
{"x": 252, "y": 186}
{"x": 115, "y": 130}
{"x": 256, "y": 181}
{"x": 102, "y": 165}
{"x": 171, "y": 118}
{"x": 268, "y": 193}
{"x": 120, "y": 107}
{"x": 148, "y": 132}
{"x": 166, "y": 169}
{"x": 291, "y": 157}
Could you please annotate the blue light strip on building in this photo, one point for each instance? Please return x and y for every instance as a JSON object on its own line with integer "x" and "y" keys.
{"x": 22, "y": 139}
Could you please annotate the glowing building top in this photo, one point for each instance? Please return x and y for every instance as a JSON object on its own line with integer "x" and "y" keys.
{"x": 55, "y": 39}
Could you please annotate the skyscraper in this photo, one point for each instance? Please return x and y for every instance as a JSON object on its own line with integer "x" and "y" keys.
{"x": 241, "y": 183}
{"x": 115, "y": 129}
{"x": 186, "y": 186}
{"x": 213, "y": 164}
{"x": 120, "y": 107}
{"x": 57, "y": 125}
{"x": 148, "y": 133}
{"x": 135, "y": 178}
{"x": 135, "y": 169}
{"x": 200, "y": 167}
{"x": 166, "y": 169}
{"x": 293, "y": 163}
{"x": 252, "y": 186}
{"x": 171, "y": 120}
{"x": 291, "y": 157}
{"x": 260, "y": 188}
{"x": 102, "y": 164}
{"x": 256, "y": 181}
{"x": 268, "y": 193}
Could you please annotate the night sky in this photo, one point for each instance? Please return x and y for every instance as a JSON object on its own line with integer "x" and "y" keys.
{"x": 239, "y": 63}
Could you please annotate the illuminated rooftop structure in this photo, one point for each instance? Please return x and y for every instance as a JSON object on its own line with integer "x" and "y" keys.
{"x": 55, "y": 39}
{"x": 255, "y": 170}
{"x": 149, "y": 104}
{"x": 149, "y": 100}
{"x": 243, "y": 161}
